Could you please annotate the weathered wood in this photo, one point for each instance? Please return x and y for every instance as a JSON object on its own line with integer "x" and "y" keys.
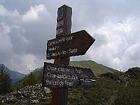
{"x": 60, "y": 95}
{"x": 56, "y": 75}
{"x": 70, "y": 45}
{"x": 64, "y": 14}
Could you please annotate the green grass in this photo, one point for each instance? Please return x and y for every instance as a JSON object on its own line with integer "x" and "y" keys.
{"x": 108, "y": 92}
{"x": 111, "y": 88}
{"x": 95, "y": 67}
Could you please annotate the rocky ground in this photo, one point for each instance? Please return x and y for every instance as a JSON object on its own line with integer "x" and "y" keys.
{"x": 36, "y": 95}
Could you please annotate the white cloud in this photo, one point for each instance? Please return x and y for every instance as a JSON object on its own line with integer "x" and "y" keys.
{"x": 33, "y": 13}
{"x": 16, "y": 40}
{"x": 121, "y": 48}
{"x": 9, "y": 16}
{"x": 3, "y": 11}
{"x": 5, "y": 41}
{"x": 24, "y": 63}
{"x": 23, "y": 37}
{"x": 131, "y": 56}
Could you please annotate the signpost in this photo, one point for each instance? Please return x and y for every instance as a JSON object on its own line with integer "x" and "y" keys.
{"x": 71, "y": 45}
{"x": 63, "y": 21}
{"x": 60, "y": 95}
{"x": 59, "y": 76}
{"x": 67, "y": 76}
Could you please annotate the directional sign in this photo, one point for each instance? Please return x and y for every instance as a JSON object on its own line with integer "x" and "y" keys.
{"x": 70, "y": 45}
{"x": 67, "y": 76}
{"x": 59, "y": 76}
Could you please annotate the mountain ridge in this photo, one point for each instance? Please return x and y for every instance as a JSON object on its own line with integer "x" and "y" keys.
{"x": 14, "y": 75}
{"x": 94, "y": 66}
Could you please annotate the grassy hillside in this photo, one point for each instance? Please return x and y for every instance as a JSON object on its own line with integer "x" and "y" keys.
{"x": 108, "y": 92}
{"x": 109, "y": 89}
{"x": 95, "y": 67}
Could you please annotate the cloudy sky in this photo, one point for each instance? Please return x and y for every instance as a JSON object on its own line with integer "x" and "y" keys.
{"x": 26, "y": 25}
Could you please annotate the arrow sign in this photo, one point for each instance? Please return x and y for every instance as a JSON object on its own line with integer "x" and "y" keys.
{"x": 69, "y": 45}
{"x": 66, "y": 76}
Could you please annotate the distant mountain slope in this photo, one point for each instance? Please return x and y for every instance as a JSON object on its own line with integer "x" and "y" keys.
{"x": 15, "y": 76}
{"x": 133, "y": 72}
{"x": 96, "y": 68}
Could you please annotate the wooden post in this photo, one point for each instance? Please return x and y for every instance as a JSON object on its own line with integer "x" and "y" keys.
{"x": 61, "y": 48}
{"x": 60, "y": 95}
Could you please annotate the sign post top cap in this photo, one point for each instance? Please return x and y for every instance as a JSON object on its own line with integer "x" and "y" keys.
{"x": 64, "y": 6}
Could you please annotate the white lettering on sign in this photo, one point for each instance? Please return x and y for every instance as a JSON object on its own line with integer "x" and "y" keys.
{"x": 56, "y": 54}
{"x": 61, "y": 75}
{"x": 60, "y": 40}
{"x": 55, "y": 51}
{"x": 64, "y": 52}
{"x": 62, "y": 70}
{"x": 59, "y": 83}
{"x": 53, "y": 48}
{"x": 71, "y": 51}
{"x": 69, "y": 38}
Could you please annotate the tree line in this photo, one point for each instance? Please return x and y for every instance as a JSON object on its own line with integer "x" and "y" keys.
{"x": 5, "y": 82}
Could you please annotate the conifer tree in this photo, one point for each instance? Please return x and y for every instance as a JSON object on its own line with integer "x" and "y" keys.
{"x": 5, "y": 81}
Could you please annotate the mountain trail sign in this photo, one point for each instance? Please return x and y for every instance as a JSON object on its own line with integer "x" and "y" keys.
{"x": 67, "y": 76}
{"x": 59, "y": 76}
{"x": 70, "y": 45}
